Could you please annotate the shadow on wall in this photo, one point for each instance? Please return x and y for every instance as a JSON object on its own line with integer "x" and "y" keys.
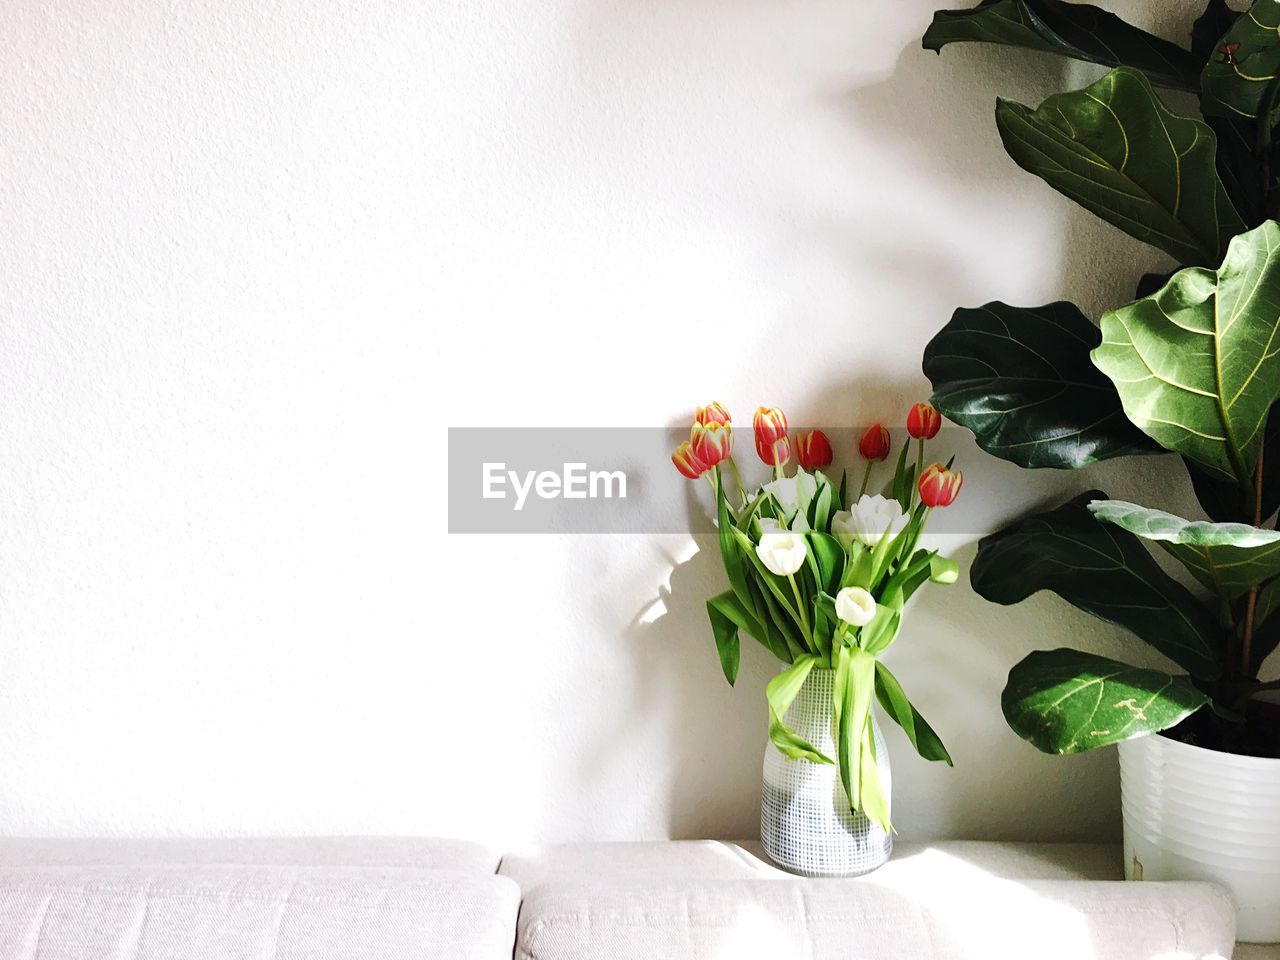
{"x": 953, "y": 141}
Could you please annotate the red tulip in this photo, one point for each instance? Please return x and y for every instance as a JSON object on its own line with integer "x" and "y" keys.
{"x": 813, "y": 449}
{"x": 939, "y": 486}
{"x": 687, "y": 463}
{"x": 776, "y": 454}
{"x": 923, "y": 421}
{"x": 874, "y": 444}
{"x": 716, "y": 413}
{"x": 711, "y": 442}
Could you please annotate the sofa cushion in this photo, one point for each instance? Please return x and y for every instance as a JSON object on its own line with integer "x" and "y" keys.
{"x": 255, "y": 913}
{"x": 931, "y": 902}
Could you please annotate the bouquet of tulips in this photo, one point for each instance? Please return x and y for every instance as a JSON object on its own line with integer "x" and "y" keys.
{"x": 820, "y": 580}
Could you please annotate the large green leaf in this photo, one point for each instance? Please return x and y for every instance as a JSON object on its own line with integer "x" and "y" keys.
{"x": 1065, "y": 701}
{"x": 1266, "y": 630}
{"x": 1228, "y": 558}
{"x": 1020, "y": 378}
{"x": 1115, "y": 149}
{"x": 1197, "y": 365}
{"x": 1102, "y": 570}
{"x": 1075, "y": 30}
{"x": 1209, "y": 27}
{"x": 1237, "y": 135}
{"x": 1237, "y": 79}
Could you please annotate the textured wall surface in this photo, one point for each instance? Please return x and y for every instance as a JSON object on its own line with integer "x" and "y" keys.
{"x": 256, "y": 257}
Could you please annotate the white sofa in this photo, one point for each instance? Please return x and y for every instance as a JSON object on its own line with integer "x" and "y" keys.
{"x": 426, "y": 899}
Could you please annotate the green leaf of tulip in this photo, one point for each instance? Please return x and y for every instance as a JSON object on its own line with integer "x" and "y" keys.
{"x": 1115, "y": 149}
{"x": 943, "y": 569}
{"x": 878, "y": 635}
{"x": 1065, "y": 701}
{"x": 829, "y": 560}
{"x": 855, "y": 687}
{"x": 728, "y": 615}
{"x": 1021, "y": 380}
{"x": 1104, "y": 571}
{"x": 729, "y": 553}
{"x": 895, "y": 703}
{"x": 1237, "y": 80}
{"x": 1197, "y": 365}
{"x": 779, "y": 694}
{"x": 1228, "y": 558}
{"x": 1075, "y": 30}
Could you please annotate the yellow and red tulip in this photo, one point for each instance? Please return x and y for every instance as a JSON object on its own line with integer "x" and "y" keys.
{"x": 923, "y": 421}
{"x": 715, "y": 413}
{"x": 770, "y": 425}
{"x": 689, "y": 465}
{"x": 939, "y": 486}
{"x": 776, "y": 454}
{"x": 813, "y": 449}
{"x": 711, "y": 442}
{"x": 874, "y": 444}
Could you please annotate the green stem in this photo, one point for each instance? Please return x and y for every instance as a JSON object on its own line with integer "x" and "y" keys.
{"x": 1246, "y": 646}
{"x": 737, "y": 478}
{"x": 866, "y": 475}
{"x": 804, "y": 614}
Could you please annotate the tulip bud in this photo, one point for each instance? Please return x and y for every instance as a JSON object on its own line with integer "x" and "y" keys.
{"x": 813, "y": 450}
{"x": 776, "y": 455}
{"x": 782, "y": 553}
{"x": 874, "y": 444}
{"x": 716, "y": 413}
{"x": 939, "y": 486}
{"x": 771, "y": 426}
{"x": 923, "y": 421}
{"x": 687, "y": 463}
{"x": 711, "y": 442}
{"x": 855, "y": 606}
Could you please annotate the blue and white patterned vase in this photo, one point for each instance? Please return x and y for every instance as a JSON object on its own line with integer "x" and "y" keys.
{"x": 806, "y": 825}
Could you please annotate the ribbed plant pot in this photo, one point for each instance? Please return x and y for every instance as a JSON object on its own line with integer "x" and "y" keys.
{"x": 806, "y": 826}
{"x": 1197, "y": 814}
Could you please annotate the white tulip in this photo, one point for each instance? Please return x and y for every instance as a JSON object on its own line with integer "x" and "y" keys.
{"x": 868, "y": 520}
{"x": 769, "y": 525}
{"x": 842, "y": 528}
{"x": 782, "y": 553}
{"x": 855, "y": 606}
{"x": 793, "y": 493}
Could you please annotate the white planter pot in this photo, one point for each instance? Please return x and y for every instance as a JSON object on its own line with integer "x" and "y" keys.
{"x": 806, "y": 826}
{"x": 1197, "y": 814}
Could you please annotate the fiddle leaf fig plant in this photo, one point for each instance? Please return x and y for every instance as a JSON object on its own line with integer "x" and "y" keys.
{"x": 1191, "y": 367}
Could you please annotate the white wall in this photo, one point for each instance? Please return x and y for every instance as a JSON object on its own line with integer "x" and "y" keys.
{"x": 258, "y": 256}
